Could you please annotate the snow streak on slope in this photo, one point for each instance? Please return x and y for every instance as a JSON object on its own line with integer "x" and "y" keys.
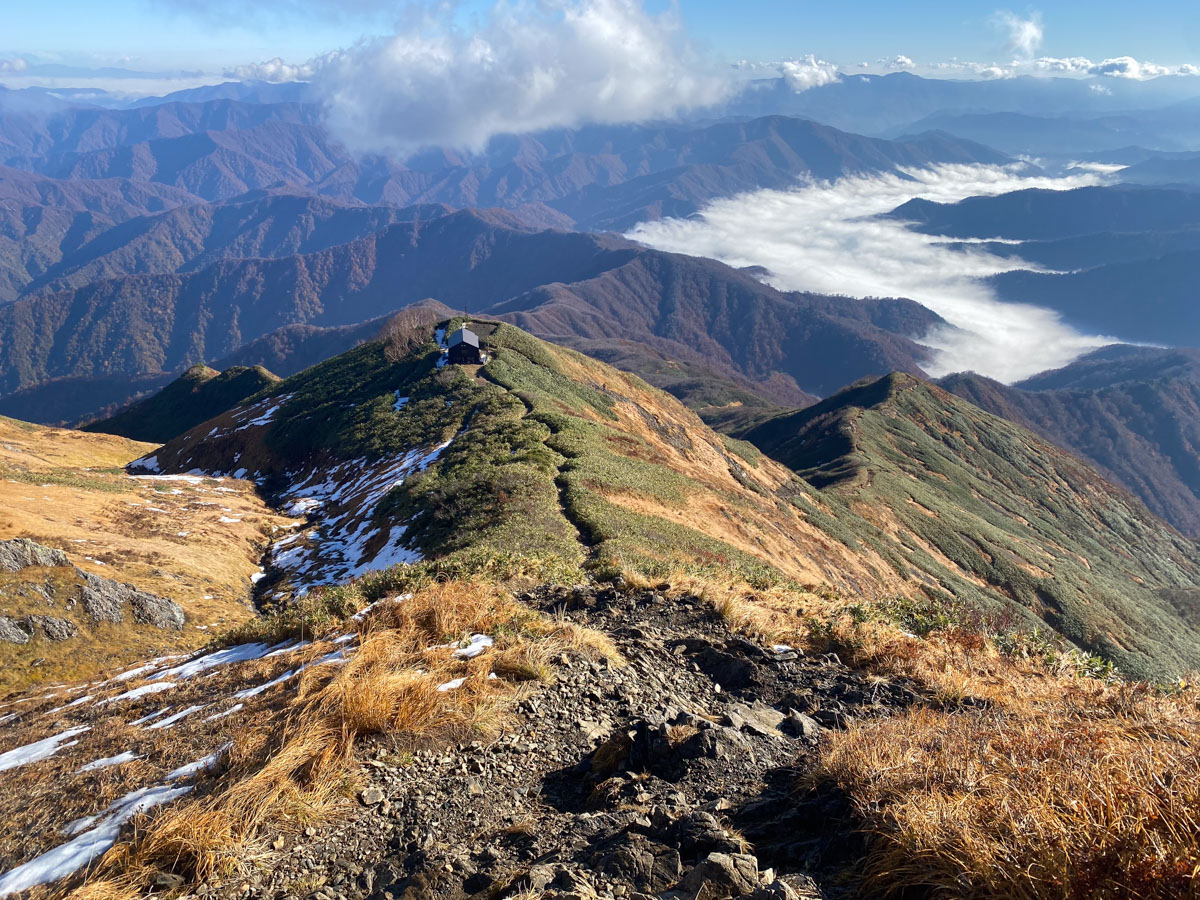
{"x": 827, "y": 238}
{"x": 348, "y": 540}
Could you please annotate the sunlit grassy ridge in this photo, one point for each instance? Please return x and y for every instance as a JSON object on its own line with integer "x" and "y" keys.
{"x": 197, "y": 544}
{"x": 560, "y": 464}
{"x": 993, "y": 513}
{"x": 552, "y": 456}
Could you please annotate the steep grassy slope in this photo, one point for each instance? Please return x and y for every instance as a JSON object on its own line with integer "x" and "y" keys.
{"x": 196, "y": 541}
{"x": 1132, "y": 412}
{"x": 542, "y": 457}
{"x": 548, "y": 459}
{"x": 197, "y": 395}
{"x": 1007, "y": 514}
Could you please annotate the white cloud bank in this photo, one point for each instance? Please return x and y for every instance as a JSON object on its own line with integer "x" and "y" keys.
{"x": 530, "y": 65}
{"x": 824, "y": 238}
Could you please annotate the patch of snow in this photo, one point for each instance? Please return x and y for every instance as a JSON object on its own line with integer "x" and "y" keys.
{"x": 453, "y": 685}
{"x": 228, "y": 712}
{"x": 247, "y": 693}
{"x": 127, "y": 756}
{"x": 190, "y": 478}
{"x": 302, "y": 506}
{"x": 72, "y": 856}
{"x": 257, "y": 576}
{"x": 227, "y": 656}
{"x": 400, "y": 403}
{"x": 149, "y": 463}
{"x": 335, "y": 657}
{"x": 476, "y": 645}
{"x": 351, "y": 491}
{"x": 144, "y": 690}
{"x": 146, "y": 667}
{"x": 228, "y": 520}
{"x": 290, "y": 648}
{"x": 206, "y": 764}
{"x": 171, "y": 720}
{"x": 39, "y": 750}
{"x": 82, "y": 699}
{"x": 154, "y": 715}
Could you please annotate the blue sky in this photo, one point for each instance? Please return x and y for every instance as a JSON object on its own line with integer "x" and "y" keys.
{"x": 178, "y": 35}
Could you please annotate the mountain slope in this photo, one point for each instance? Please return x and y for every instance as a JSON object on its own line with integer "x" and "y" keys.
{"x": 42, "y": 219}
{"x": 905, "y": 489}
{"x": 1007, "y": 513}
{"x": 1038, "y": 214}
{"x": 196, "y": 396}
{"x": 259, "y": 225}
{"x": 1132, "y": 412}
{"x": 1152, "y": 300}
{"x": 598, "y": 176}
{"x": 542, "y": 455}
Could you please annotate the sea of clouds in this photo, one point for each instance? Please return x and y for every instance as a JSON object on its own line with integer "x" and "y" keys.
{"x": 828, "y": 238}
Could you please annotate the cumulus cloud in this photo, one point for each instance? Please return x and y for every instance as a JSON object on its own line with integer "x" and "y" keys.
{"x": 530, "y": 65}
{"x": 1128, "y": 67}
{"x": 900, "y": 62}
{"x": 825, "y": 237}
{"x": 1024, "y": 35}
{"x": 12, "y": 66}
{"x": 808, "y": 72}
{"x": 277, "y": 71}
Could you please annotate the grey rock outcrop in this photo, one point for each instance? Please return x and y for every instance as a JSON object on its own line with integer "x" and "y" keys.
{"x": 11, "y": 631}
{"x": 102, "y": 599}
{"x": 22, "y": 553}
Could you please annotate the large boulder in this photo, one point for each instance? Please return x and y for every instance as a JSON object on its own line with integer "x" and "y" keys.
{"x": 720, "y": 876}
{"x": 12, "y": 632}
{"x": 21, "y": 553}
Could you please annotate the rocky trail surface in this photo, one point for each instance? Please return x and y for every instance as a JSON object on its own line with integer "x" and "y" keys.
{"x": 679, "y": 774}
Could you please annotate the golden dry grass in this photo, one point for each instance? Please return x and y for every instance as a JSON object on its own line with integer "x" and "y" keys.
{"x": 295, "y": 769}
{"x": 1096, "y": 794}
{"x": 66, "y": 489}
{"x": 1045, "y": 784}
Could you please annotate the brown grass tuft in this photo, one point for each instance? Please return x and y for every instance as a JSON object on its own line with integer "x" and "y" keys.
{"x": 1093, "y": 793}
{"x": 298, "y": 771}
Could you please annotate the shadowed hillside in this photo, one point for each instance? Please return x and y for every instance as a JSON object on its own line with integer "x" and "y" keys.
{"x": 199, "y": 394}
{"x": 602, "y": 289}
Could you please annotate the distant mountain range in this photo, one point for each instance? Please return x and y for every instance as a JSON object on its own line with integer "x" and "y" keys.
{"x": 1128, "y": 257}
{"x": 574, "y": 286}
{"x": 904, "y": 103}
{"x": 595, "y": 177}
